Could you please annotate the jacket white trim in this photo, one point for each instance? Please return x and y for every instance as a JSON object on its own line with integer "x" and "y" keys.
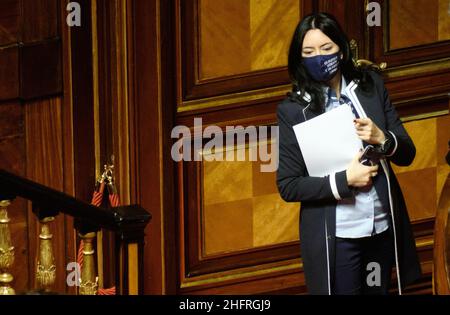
{"x": 334, "y": 188}
{"x": 351, "y": 89}
{"x": 396, "y": 144}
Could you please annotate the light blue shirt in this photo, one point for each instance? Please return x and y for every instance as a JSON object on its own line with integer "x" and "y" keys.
{"x": 362, "y": 215}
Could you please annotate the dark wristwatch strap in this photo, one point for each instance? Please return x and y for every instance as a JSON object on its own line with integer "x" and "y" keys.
{"x": 386, "y": 147}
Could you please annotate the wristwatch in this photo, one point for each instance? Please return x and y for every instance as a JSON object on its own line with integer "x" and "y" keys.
{"x": 386, "y": 144}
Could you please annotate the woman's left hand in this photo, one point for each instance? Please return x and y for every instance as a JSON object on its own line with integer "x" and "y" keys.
{"x": 368, "y": 131}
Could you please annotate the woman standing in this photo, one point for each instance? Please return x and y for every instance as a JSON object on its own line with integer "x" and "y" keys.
{"x": 353, "y": 224}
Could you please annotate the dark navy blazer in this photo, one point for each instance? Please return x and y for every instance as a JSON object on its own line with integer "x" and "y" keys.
{"x": 318, "y": 202}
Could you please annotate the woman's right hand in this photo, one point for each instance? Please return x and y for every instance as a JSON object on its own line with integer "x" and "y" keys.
{"x": 359, "y": 175}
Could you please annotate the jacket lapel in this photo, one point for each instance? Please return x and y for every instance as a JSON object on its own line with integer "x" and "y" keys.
{"x": 308, "y": 114}
{"x": 363, "y": 103}
{"x": 356, "y": 99}
{"x": 365, "y": 107}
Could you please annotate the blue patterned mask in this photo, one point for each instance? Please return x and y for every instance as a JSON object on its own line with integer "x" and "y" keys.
{"x": 322, "y": 67}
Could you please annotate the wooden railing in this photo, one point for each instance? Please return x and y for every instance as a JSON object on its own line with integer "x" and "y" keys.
{"x": 127, "y": 224}
{"x": 441, "y": 259}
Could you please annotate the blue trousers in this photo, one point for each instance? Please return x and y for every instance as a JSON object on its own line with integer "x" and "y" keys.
{"x": 364, "y": 265}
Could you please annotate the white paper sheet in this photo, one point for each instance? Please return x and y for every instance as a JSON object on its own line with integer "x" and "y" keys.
{"x": 329, "y": 141}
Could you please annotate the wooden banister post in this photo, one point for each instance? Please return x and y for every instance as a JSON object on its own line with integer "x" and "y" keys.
{"x": 89, "y": 280}
{"x": 130, "y": 248}
{"x": 46, "y": 268}
{"x": 6, "y": 251}
{"x": 130, "y": 267}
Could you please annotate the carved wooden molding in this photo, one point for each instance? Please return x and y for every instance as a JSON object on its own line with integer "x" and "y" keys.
{"x": 30, "y": 49}
{"x": 31, "y": 71}
{"x": 188, "y": 56}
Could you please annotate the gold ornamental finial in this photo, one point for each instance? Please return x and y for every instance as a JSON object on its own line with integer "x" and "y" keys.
{"x": 6, "y": 251}
{"x": 89, "y": 281}
{"x": 46, "y": 268}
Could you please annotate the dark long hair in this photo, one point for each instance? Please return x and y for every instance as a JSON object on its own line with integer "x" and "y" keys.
{"x": 301, "y": 80}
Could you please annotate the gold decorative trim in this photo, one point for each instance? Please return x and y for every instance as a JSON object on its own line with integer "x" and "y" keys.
{"x": 95, "y": 81}
{"x": 354, "y": 48}
{"x": 46, "y": 268}
{"x": 236, "y": 275}
{"x": 119, "y": 65}
{"x": 96, "y": 100}
{"x": 45, "y": 275}
{"x": 367, "y": 63}
{"x": 88, "y": 281}
{"x": 88, "y": 287}
{"x": 427, "y": 242}
{"x": 6, "y": 251}
{"x": 236, "y": 147}
{"x": 425, "y": 116}
{"x": 6, "y": 257}
{"x": 5, "y": 288}
{"x": 424, "y": 98}
{"x": 418, "y": 68}
{"x": 234, "y": 98}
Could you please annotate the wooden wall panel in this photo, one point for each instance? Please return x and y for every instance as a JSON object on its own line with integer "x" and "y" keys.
{"x": 30, "y": 48}
{"x": 428, "y": 22}
{"x": 224, "y": 38}
{"x": 418, "y": 59}
{"x": 44, "y": 135}
{"x": 423, "y": 180}
{"x": 82, "y": 98}
{"x": 234, "y": 44}
{"x": 418, "y": 80}
{"x": 228, "y": 227}
{"x": 44, "y": 77}
{"x": 67, "y": 139}
{"x": 234, "y": 224}
{"x": 274, "y": 220}
{"x": 423, "y": 133}
{"x": 146, "y": 88}
{"x": 22, "y": 77}
{"x": 9, "y": 73}
{"x": 272, "y": 24}
{"x": 421, "y": 16}
{"x": 40, "y": 20}
{"x": 11, "y": 120}
{"x": 238, "y": 37}
{"x": 208, "y": 202}
{"x": 35, "y": 138}
{"x": 9, "y": 21}
{"x": 176, "y": 257}
{"x": 444, "y": 20}
{"x": 241, "y": 207}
